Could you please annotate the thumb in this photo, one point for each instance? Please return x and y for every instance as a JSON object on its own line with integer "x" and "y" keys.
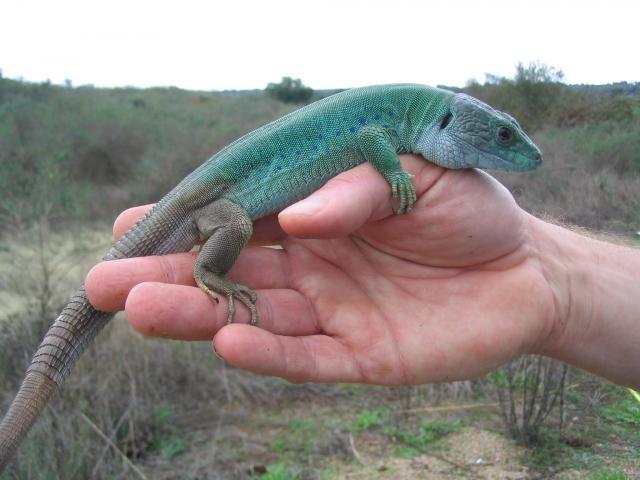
{"x": 351, "y": 199}
{"x": 340, "y": 207}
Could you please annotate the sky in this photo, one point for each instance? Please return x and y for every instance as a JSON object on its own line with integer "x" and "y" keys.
{"x": 217, "y": 45}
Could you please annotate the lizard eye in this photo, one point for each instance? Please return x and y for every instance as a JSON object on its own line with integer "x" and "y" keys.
{"x": 445, "y": 120}
{"x": 504, "y": 135}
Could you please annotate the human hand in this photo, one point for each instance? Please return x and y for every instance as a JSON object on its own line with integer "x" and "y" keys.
{"x": 358, "y": 294}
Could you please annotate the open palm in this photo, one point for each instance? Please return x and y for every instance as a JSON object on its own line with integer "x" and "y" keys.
{"x": 358, "y": 294}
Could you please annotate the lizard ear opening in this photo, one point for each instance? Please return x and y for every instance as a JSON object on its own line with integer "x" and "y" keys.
{"x": 445, "y": 121}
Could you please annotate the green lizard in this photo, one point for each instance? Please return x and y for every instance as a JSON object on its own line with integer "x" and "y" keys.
{"x": 265, "y": 171}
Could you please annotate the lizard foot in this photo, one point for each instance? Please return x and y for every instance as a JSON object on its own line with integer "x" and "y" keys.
{"x": 402, "y": 191}
{"x": 246, "y": 296}
{"x": 233, "y": 291}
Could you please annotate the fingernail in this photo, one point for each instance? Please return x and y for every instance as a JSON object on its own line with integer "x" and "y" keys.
{"x": 308, "y": 206}
{"x": 215, "y": 352}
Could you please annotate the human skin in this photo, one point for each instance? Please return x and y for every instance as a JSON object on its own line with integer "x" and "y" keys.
{"x": 464, "y": 283}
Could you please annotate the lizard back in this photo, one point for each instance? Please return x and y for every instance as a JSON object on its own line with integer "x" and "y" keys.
{"x": 286, "y": 160}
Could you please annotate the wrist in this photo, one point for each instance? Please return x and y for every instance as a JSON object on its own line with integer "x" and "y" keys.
{"x": 596, "y": 291}
{"x": 562, "y": 257}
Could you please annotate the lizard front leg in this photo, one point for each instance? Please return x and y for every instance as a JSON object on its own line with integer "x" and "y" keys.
{"x": 378, "y": 148}
{"x": 228, "y": 228}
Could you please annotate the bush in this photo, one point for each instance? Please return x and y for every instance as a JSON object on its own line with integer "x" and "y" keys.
{"x": 530, "y": 96}
{"x": 529, "y": 389}
{"x": 85, "y": 153}
{"x": 289, "y": 90}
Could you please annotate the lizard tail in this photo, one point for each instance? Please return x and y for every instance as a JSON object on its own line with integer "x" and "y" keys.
{"x": 35, "y": 392}
{"x": 164, "y": 229}
{"x": 73, "y": 330}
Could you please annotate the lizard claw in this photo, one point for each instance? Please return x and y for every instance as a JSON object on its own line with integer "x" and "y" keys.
{"x": 246, "y": 296}
{"x": 402, "y": 191}
{"x": 233, "y": 291}
{"x": 248, "y": 300}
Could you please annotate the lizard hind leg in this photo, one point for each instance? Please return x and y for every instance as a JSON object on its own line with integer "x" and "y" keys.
{"x": 228, "y": 228}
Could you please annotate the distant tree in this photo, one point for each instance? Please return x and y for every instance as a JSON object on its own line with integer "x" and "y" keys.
{"x": 290, "y": 90}
{"x": 531, "y": 96}
{"x": 537, "y": 72}
{"x": 538, "y": 89}
{"x": 68, "y": 83}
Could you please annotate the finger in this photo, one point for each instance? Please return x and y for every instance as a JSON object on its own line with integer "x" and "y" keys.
{"x": 266, "y": 231}
{"x": 108, "y": 283}
{"x": 315, "y": 358}
{"x": 128, "y": 218}
{"x": 187, "y": 313}
{"x": 352, "y": 199}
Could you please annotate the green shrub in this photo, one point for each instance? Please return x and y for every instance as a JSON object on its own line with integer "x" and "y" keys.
{"x": 278, "y": 471}
{"x": 608, "y": 144}
{"x": 530, "y": 96}
{"x": 608, "y": 474}
{"x": 538, "y": 99}
{"x": 289, "y": 90}
{"x": 370, "y": 419}
{"x": 428, "y": 433}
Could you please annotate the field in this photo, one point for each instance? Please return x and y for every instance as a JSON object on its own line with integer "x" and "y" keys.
{"x": 72, "y": 158}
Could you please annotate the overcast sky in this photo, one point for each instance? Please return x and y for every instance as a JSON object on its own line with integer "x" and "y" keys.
{"x": 246, "y": 44}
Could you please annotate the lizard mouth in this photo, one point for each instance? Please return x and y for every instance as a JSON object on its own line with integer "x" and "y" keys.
{"x": 517, "y": 163}
{"x": 509, "y": 161}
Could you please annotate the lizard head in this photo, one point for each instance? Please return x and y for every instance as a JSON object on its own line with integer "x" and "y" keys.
{"x": 472, "y": 134}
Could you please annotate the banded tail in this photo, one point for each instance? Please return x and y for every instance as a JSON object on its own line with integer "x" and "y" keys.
{"x": 167, "y": 228}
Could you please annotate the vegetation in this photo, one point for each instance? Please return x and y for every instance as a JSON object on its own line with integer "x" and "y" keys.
{"x": 101, "y": 145}
{"x": 290, "y": 90}
{"x": 530, "y": 389}
{"x": 425, "y": 437}
{"x": 537, "y": 97}
{"x": 370, "y": 418}
{"x": 71, "y": 158}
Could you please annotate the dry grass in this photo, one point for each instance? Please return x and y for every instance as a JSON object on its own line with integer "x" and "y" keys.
{"x": 41, "y": 266}
{"x": 576, "y": 189}
{"x": 128, "y": 392}
{"x": 139, "y": 392}
{"x": 144, "y": 394}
